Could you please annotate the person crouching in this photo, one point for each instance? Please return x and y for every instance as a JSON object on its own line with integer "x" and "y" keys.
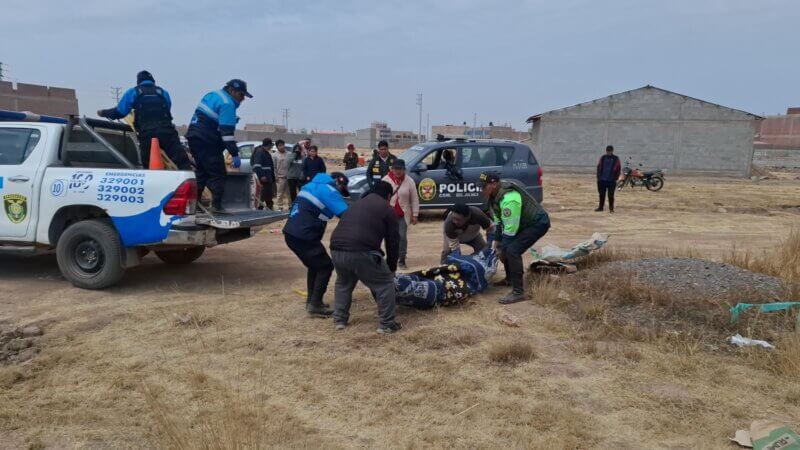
{"x": 318, "y": 201}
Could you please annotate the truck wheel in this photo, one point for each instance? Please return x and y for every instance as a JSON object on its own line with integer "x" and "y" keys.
{"x": 89, "y": 254}
{"x": 183, "y": 256}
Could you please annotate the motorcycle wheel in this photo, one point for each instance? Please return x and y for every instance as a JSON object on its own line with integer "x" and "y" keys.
{"x": 655, "y": 184}
{"x": 620, "y": 185}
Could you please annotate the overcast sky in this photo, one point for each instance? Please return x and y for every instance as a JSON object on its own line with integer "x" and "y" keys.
{"x": 345, "y": 63}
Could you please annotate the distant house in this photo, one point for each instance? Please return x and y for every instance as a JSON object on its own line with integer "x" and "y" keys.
{"x": 653, "y": 126}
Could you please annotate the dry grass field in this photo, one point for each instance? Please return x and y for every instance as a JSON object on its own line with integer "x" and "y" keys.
{"x": 220, "y": 355}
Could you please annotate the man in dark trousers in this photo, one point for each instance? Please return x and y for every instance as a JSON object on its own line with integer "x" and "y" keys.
{"x": 210, "y": 133}
{"x": 608, "y": 169}
{"x": 380, "y": 164}
{"x": 152, "y": 119}
{"x": 263, "y": 167}
{"x": 519, "y": 222}
{"x": 357, "y": 256}
{"x": 318, "y": 202}
{"x": 313, "y": 164}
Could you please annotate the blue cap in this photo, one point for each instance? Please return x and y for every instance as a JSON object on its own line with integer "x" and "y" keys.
{"x": 240, "y": 86}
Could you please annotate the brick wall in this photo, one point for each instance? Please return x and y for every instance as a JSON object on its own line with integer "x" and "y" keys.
{"x": 45, "y": 100}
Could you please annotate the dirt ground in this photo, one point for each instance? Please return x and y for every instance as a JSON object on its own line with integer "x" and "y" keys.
{"x": 116, "y": 369}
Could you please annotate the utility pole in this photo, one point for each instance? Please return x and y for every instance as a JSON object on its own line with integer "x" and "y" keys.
{"x": 474, "y": 125}
{"x": 115, "y": 91}
{"x": 1, "y": 71}
{"x": 285, "y": 112}
{"x": 419, "y": 103}
{"x": 428, "y": 126}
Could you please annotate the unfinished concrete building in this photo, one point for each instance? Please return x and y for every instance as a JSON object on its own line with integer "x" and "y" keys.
{"x": 653, "y": 126}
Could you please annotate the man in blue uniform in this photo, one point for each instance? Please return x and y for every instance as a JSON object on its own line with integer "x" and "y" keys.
{"x": 152, "y": 118}
{"x": 318, "y": 202}
{"x": 211, "y": 132}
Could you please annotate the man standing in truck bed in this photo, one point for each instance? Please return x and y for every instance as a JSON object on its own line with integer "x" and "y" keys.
{"x": 152, "y": 119}
{"x": 211, "y": 132}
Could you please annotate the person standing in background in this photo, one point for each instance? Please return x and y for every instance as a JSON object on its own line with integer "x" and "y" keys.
{"x": 313, "y": 164}
{"x": 281, "y": 161}
{"x": 608, "y": 169}
{"x": 405, "y": 203}
{"x": 263, "y": 166}
{"x": 350, "y": 157}
{"x": 380, "y": 164}
{"x": 294, "y": 175}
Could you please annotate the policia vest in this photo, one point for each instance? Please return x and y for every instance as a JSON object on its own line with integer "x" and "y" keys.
{"x": 152, "y": 111}
{"x": 532, "y": 212}
{"x": 378, "y": 168}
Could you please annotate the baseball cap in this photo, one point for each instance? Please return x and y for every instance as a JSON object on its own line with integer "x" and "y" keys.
{"x": 489, "y": 177}
{"x": 240, "y": 86}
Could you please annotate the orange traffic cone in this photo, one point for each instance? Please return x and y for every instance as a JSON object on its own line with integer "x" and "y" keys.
{"x": 156, "y": 163}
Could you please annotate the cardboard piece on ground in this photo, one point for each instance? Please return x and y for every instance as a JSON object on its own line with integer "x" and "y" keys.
{"x": 768, "y": 435}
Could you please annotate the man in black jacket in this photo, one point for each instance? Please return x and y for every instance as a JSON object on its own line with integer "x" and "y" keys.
{"x": 261, "y": 163}
{"x": 380, "y": 164}
{"x": 608, "y": 169}
{"x": 357, "y": 256}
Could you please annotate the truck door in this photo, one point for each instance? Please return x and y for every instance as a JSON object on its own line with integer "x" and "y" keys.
{"x": 429, "y": 173}
{"x": 20, "y": 155}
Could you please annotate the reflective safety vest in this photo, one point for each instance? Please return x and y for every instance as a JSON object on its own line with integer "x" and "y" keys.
{"x": 514, "y": 208}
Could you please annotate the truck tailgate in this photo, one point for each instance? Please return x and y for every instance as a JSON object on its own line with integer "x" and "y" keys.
{"x": 240, "y": 219}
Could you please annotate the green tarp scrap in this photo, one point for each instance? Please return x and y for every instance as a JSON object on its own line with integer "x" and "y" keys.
{"x": 763, "y": 307}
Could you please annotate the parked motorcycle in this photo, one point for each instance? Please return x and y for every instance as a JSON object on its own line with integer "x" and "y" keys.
{"x": 652, "y": 180}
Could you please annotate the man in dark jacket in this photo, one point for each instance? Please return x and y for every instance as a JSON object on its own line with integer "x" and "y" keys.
{"x": 261, "y": 163}
{"x": 608, "y": 169}
{"x": 152, "y": 119}
{"x": 357, "y": 256}
{"x": 350, "y": 157}
{"x": 313, "y": 164}
{"x": 317, "y": 203}
{"x": 380, "y": 164}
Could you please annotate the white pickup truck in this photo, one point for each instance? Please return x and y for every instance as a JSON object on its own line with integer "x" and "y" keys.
{"x": 77, "y": 188}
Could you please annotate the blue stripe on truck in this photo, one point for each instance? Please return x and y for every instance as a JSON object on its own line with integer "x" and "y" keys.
{"x": 145, "y": 227}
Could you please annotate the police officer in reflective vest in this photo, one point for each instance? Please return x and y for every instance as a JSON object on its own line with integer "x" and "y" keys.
{"x": 210, "y": 133}
{"x": 152, "y": 118}
{"x": 380, "y": 164}
{"x": 519, "y": 221}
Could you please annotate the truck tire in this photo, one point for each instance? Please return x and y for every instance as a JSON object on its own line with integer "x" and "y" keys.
{"x": 89, "y": 254}
{"x": 183, "y": 256}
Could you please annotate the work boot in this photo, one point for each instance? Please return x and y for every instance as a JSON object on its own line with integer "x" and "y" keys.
{"x": 598, "y": 210}
{"x": 320, "y": 310}
{"x": 217, "y": 208}
{"x": 502, "y": 283}
{"x": 393, "y": 327}
{"x": 339, "y": 326}
{"x": 513, "y": 297}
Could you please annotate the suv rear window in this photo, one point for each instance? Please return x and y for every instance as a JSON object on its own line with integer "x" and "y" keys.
{"x": 16, "y": 144}
{"x": 504, "y": 155}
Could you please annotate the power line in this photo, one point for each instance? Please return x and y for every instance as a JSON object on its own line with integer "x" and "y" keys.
{"x": 115, "y": 93}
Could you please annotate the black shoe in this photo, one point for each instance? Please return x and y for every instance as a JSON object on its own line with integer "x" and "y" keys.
{"x": 218, "y": 209}
{"x": 320, "y": 310}
{"x": 611, "y": 210}
{"x": 393, "y": 327}
{"x": 339, "y": 326}
{"x": 502, "y": 283}
{"x": 598, "y": 210}
{"x": 402, "y": 265}
{"x": 512, "y": 297}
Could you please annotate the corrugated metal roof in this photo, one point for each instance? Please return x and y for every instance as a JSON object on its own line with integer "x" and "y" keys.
{"x": 538, "y": 116}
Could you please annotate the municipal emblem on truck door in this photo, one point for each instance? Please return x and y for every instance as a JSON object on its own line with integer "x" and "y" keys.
{"x": 16, "y": 207}
{"x": 427, "y": 189}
